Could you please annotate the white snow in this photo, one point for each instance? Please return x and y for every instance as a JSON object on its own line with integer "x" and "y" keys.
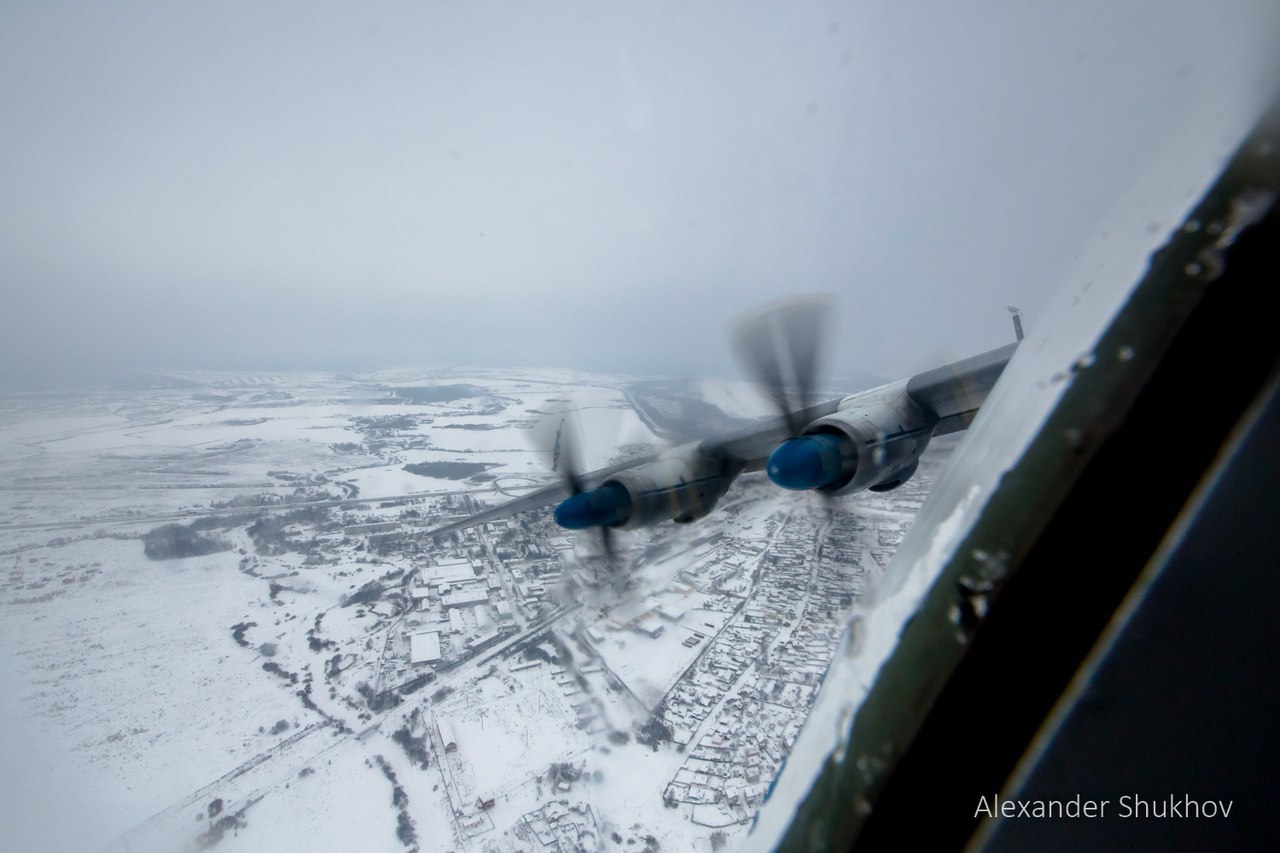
{"x": 649, "y": 666}
{"x": 424, "y": 647}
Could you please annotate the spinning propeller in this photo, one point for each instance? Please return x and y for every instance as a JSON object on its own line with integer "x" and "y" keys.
{"x": 780, "y": 346}
{"x": 585, "y": 508}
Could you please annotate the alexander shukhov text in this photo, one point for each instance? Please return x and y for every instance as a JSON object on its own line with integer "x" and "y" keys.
{"x": 1127, "y": 806}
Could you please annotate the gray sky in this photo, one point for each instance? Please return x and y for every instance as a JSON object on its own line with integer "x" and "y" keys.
{"x": 267, "y": 186}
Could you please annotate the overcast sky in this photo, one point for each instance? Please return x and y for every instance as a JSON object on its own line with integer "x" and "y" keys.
{"x": 277, "y": 185}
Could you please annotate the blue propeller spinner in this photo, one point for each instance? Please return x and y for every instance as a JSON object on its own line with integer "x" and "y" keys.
{"x": 603, "y": 507}
{"x": 807, "y": 462}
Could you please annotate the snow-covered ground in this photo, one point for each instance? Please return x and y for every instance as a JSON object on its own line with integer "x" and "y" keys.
{"x": 257, "y": 694}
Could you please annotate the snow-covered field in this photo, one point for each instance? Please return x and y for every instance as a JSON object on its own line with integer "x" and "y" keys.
{"x": 239, "y": 694}
{"x": 650, "y": 666}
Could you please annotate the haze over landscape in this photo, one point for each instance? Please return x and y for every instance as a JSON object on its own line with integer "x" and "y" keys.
{"x": 235, "y": 186}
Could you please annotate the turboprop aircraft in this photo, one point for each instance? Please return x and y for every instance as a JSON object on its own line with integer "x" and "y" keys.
{"x": 871, "y": 440}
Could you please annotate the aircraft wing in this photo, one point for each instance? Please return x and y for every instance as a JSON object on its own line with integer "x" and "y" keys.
{"x": 949, "y": 397}
{"x": 954, "y": 392}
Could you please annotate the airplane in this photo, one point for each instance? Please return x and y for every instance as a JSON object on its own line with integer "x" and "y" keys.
{"x": 871, "y": 440}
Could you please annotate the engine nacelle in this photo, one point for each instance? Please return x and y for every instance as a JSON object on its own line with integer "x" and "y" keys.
{"x": 887, "y": 441}
{"x": 682, "y": 485}
{"x": 874, "y": 444}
